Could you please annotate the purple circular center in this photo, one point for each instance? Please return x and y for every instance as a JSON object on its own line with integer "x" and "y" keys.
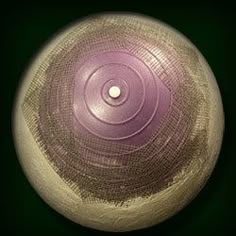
{"x": 119, "y": 117}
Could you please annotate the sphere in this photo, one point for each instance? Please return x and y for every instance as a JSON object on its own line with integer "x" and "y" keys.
{"x": 118, "y": 122}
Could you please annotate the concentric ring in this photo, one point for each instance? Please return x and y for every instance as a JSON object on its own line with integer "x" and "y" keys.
{"x": 106, "y": 117}
{"x": 94, "y": 85}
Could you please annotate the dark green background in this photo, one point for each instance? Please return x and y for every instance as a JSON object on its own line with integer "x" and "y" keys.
{"x": 26, "y": 27}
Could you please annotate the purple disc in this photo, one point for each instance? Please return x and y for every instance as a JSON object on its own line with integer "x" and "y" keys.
{"x": 120, "y": 118}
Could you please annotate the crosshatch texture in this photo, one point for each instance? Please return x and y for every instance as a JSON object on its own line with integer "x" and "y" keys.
{"x": 140, "y": 145}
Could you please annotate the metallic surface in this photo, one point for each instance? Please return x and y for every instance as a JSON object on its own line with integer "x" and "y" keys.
{"x": 124, "y": 162}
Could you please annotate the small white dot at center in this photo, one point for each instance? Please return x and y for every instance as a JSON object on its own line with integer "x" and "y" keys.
{"x": 114, "y": 92}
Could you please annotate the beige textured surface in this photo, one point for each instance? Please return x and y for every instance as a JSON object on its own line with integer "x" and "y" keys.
{"x": 138, "y": 212}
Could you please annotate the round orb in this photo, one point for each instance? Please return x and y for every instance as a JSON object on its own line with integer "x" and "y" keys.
{"x": 118, "y": 122}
